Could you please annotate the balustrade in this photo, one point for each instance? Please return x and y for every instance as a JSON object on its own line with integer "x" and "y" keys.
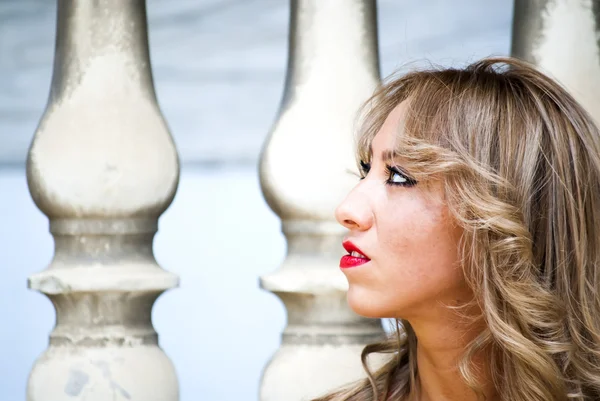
{"x": 332, "y": 69}
{"x": 562, "y": 38}
{"x": 103, "y": 167}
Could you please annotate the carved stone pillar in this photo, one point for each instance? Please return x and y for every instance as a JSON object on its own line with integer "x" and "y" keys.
{"x": 563, "y": 38}
{"x": 103, "y": 168}
{"x": 332, "y": 70}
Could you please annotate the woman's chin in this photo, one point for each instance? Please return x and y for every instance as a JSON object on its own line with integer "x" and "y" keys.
{"x": 364, "y": 304}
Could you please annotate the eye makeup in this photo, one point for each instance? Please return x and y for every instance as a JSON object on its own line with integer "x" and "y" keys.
{"x": 396, "y": 177}
{"x": 365, "y": 167}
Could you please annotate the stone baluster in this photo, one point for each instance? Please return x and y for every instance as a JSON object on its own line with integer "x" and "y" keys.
{"x": 103, "y": 168}
{"x": 332, "y": 69}
{"x": 562, "y": 37}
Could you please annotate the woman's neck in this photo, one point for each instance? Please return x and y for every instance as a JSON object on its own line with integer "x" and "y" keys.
{"x": 441, "y": 345}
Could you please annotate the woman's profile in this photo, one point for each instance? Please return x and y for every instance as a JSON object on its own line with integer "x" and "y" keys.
{"x": 476, "y": 224}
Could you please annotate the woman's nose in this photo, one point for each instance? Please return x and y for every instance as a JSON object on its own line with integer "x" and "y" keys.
{"x": 354, "y": 212}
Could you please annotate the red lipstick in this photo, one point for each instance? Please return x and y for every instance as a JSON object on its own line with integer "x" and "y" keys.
{"x": 355, "y": 256}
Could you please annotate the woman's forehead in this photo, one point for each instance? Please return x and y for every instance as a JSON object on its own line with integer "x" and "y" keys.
{"x": 411, "y": 118}
{"x": 385, "y": 139}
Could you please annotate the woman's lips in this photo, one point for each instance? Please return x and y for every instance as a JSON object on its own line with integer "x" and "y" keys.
{"x": 348, "y": 261}
{"x": 355, "y": 256}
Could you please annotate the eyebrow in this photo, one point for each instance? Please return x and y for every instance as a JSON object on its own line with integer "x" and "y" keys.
{"x": 389, "y": 155}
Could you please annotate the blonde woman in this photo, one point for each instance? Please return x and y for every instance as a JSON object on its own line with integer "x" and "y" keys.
{"x": 476, "y": 224}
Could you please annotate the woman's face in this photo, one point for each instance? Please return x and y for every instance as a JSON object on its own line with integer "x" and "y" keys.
{"x": 404, "y": 230}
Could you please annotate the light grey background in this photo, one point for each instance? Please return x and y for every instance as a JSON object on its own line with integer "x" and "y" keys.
{"x": 219, "y": 67}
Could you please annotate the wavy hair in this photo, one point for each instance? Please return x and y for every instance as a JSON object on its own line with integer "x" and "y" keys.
{"x": 520, "y": 163}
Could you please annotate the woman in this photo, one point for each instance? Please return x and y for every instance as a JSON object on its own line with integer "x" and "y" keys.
{"x": 476, "y": 224}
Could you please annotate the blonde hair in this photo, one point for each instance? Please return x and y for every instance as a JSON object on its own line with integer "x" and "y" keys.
{"x": 520, "y": 162}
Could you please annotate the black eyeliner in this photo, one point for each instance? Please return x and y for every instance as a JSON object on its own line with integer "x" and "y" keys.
{"x": 410, "y": 182}
{"x": 365, "y": 168}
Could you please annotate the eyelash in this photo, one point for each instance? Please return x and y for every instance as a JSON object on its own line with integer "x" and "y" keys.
{"x": 410, "y": 182}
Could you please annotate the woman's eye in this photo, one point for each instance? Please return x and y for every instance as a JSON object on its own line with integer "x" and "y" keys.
{"x": 364, "y": 169}
{"x": 396, "y": 177}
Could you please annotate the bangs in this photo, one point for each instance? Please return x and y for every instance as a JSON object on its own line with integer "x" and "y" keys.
{"x": 431, "y": 114}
